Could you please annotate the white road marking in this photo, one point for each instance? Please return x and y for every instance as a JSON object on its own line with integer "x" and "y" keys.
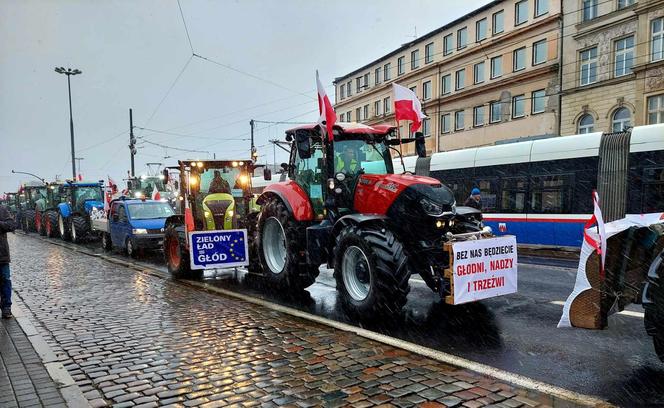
{"x": 484, "y": 369}
{"x": 624, "y": 312}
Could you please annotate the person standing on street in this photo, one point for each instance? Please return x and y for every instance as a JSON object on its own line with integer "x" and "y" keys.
{"x": 6, "y": 225}
{"x": 475, "y": 199}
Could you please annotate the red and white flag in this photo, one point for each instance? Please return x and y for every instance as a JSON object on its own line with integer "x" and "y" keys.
{"x": 80, "y": 177}
{"x": 155, "y": 193}
{"x": 327, "y": 114}
{"x": 407, "y": 106}
{"x": 600, "y": 246}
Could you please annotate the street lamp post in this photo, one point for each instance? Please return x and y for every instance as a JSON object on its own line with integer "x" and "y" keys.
{"x": 69, "y": 72}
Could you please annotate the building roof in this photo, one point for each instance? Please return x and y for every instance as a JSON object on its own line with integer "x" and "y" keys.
{"x": 422, "y": 38}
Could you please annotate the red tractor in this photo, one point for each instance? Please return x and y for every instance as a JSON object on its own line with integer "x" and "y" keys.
{"x": 343, "y": 205}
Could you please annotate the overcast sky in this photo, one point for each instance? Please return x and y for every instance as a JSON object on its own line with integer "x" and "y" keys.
{"x": 131, "y": 52}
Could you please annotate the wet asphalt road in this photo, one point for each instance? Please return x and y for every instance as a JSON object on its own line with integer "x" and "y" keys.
{"x": 516, "y": 333}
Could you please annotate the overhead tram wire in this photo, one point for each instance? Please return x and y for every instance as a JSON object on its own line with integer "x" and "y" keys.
{"x": 174, "y": 148}
{"x": 186, "y": 30}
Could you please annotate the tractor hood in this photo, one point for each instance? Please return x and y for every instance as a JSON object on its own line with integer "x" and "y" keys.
{"x": 376, "y": 194}
{"x": 90, "y": 204}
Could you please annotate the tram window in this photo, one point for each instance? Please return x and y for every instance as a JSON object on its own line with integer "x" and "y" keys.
{"x": 653, "y": 189}
{"x": 459, "y": 189}
{"x": 513, "y": 195}
{"x": 551, "y": 194}
{"x": 488, "y": 189}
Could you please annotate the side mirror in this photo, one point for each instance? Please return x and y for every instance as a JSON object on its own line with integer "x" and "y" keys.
{"x": 420, "y": 145}
{"x": 267, "y": 174}
{"x": 165, "y": 173}
{"x": 303, "y": 144}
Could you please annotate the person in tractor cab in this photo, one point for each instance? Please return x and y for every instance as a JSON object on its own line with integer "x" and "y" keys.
{"x": 346, "y": 162}
{"x": 219, "y": 185}
{"x": 475, "y": 199}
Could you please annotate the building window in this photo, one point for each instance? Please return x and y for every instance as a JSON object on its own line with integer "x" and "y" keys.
{"x": 624, "y": 3}
{"x": 478, "y": 116}
{"x": 342, "y": 91}
{"x": 656, "y": 109}
{"x": 365, "y": 114}
{"x": 377, "y": 76}
{"x": 480, "y": 30}
{"x": 657, "y": 30}
{"x": 445, "y": 123}
{"x": 428, "y": 53}
{"x": 588, "y": 66}
{"x": 589, "y": 9}
{"x": 413, "y": 89}
{"x": 541, "y": 7}
{"x": 401, "y": 66}
{"x": 458, "y": 120}
{"x": 586, "y": 124}
{"x": 460, "y": 79}
{"x": 415, "y": 59}
{"x": 498, "y": 22}
{"x": 519, "y": 59}
{"x": 495, "y": 112}
{"x": 446, "y": 84}
{"x": 478, "y": 73}
{"x": 496, "y": 67}
{"x": 539, "y": 52}
{"x": 621, "y": 120}
{"x": 519, "y": 106}
{"x": 377, "y": 106}
{"x": 387, "y": 107}
{"x": 387, "y": 72}
{"x": 348, "y": 116}
{"x": 624, "y": 56}
{"x": 521, "y": 12}
{"x": 537, "y": 100}
{"x": 426, "y": 90}
{"x": 426, "y": 127}
{"x": 358, "y": 114}
{"x": 366, "y": 80}
{"x": 358, "y": 84}
{"x": 349, "y": 87}
{"x": 448, "y": 44}
{"x": 462, "y": 38}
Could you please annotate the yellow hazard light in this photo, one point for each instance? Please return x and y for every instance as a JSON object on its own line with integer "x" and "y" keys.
{"x": 235, "y": 164}
{"x": 243, "y": 179}
{"x": 193, "y": 181}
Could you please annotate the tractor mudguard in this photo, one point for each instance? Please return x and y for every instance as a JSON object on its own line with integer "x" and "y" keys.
{"x": 293, "y": 196}
{"x": 356, "y": 219}
{"x": 64, "y": 209}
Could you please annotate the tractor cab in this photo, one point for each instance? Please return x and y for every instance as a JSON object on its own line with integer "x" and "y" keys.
{"x": 12, "y": 202}
{"x": 81, "y": 196}
{"x": 35, "y": 196}
{"x": 53, "y": 194}
{"x": 218, "y": 192}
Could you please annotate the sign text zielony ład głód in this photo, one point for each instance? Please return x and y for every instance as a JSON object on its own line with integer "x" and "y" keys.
{"x": 218, "y": 249}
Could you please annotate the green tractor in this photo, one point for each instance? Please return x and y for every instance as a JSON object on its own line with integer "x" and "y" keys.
{"x": 35, "y": 202}
{"x": 48, "y": 224}
{"x": 214, "y": 195}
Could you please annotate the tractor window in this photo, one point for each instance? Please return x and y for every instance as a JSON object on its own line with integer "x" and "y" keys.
{"x": 309, "y": 175}
{"x": 352, "y": 156}
{"x": 221, "y": 180}
{"x": 83, "y": 194}
{"x": 147, "y": 184}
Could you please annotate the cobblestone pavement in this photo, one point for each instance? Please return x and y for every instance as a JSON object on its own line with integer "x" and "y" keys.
{"x": 24, "y": 381}
{"x": 132, "y": 339}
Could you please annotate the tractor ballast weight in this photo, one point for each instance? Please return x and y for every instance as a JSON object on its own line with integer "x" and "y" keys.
{"x": 343, "y": 205}
{"x": 78, "y": 201}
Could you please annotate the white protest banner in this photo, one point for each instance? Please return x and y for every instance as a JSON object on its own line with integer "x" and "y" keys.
{"x": 484, "y": 268}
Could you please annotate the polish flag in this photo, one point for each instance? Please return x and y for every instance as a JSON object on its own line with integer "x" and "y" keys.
{"x": 407, "y": 106}
{"x": 155, "y": 193}
{"x": 600, "y": 246}
{"x": 327, "y": 114}
{"x": 80, "y": 177}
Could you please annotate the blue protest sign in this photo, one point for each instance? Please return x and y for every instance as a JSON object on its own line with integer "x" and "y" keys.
{"x": 218, "y": 249}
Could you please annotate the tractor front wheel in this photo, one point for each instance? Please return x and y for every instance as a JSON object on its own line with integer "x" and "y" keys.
{"x": 176, "y": 256}
{"x": 64, "y": 228}
{"x": 79, "y": 229}
{"x": 654, "y": 304}
{"x": 371, "y": 271}
{"x": 281, "y": 241}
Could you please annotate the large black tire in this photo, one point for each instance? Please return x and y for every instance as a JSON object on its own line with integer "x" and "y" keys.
{"x": 106, "y": 243}
{"x": 654, "y": 304}
{"x": 80, "y": 229}
{"x": 130, "y": 248}
{"x": 282, "y": 262}
{"x": 40, "y": 226}
{"x": 371, "y": 271}
{"x": 64, "y": 228}
{"x": 252, "y": 236}
{"x": 176, "y": 256}
{"x": 51, "y": 224}
{"x": 29, "y": 221}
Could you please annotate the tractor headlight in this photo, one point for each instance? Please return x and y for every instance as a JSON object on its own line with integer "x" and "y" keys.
{"x": 431, "y": 208}
{"x": 230, "y": 213}
{"x": 193, "y": 181}
{"x": 139, "y": 231}
{"x": 340, "y": 176}
{"x": 243, "y": 179}
{"x": 330, "y": 184}
{"x": 138, "y": 194}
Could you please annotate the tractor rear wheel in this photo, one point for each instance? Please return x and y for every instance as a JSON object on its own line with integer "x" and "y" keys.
{"x": 281, "y": 241}
{"x": 79, "y": 229}
{"x": 371, "y": 270}
{"x": 176, "y": 256}
{"x": 654, "y": 304}
{"x": 64, "y": 228}
{"x": 51, "y": 224}
{"x": 40, "y": 217}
